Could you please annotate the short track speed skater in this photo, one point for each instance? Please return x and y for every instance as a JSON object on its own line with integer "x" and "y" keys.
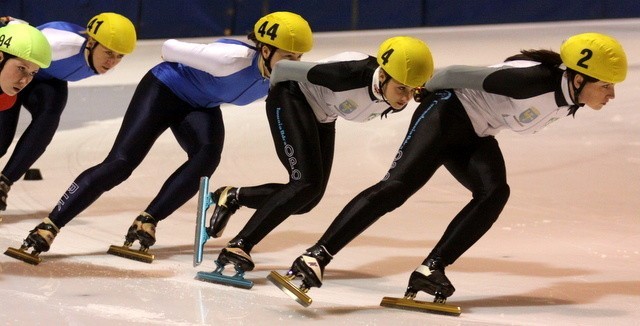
{"x": 205, "y": 200}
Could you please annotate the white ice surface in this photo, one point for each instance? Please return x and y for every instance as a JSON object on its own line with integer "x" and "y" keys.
{"x": 565, "y": 251}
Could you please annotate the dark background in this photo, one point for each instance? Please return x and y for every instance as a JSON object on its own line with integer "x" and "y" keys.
{"x": 158, "y": 19}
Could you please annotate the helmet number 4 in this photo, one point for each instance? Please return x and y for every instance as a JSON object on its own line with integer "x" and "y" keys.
{"x": 587, "y": 55}
{"x": 5, "y": 42}
{"x": 94, "y": 23}
{"x": 385, "y": 57}
{"x": 272, "y": 31}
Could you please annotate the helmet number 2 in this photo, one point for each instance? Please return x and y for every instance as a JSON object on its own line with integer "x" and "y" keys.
{"x": 587, "y": 55}
{"x": 94, "y": 23}
{"x": 5, "y": 42}
{"x": 272, "y": 31}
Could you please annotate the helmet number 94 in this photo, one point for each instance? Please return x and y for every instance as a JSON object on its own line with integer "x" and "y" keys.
{"x": 94, "y": 23}
{"x": 272, "y": 31}
{"x": 587, "y": 55}
{"x": 5, "y": 42}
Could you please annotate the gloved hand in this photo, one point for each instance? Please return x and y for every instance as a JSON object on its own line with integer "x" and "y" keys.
{"x": 420, "y": 93}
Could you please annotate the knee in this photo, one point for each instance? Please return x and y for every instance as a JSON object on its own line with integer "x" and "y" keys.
{"x": 114, "y": 172}
{"x": 309, "y": 192}
{"x": 501, "y": 193}
{"x": 211, "y": 155}
{"x": 388, "y": 195}
{"x": 497, "y": 195}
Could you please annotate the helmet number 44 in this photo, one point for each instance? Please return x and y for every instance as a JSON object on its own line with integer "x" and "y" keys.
{"x": 272, "y": 31}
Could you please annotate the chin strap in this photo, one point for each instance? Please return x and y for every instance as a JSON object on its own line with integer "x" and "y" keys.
{"x": 267, "y": 61}
{"x": 575, "y": 91}
{"x": 90, "y": 57}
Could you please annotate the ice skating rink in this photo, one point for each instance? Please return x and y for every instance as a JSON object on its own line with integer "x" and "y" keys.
{"x": 565, "y": 251}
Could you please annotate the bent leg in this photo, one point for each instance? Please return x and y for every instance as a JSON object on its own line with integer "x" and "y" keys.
{"x": 299, "y": 147}
{"x": 45, "y": 101}
{"x": 147, "y": 117}
{"x": 483, "y": 172}
{"x": 201, "y": 135}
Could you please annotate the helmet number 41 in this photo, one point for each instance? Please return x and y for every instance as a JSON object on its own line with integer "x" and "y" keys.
{"x": 94, "y": 22}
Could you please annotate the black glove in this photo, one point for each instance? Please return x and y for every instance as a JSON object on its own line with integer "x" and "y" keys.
{"x": 420, "y": 93}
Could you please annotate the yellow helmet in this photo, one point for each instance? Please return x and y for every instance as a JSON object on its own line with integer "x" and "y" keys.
{"x": 284, "y": 30}
{"x": 595, "y": 55}
{"x": 113, "y": 31}
{"x": 406, "y": 59}
{"x": 26, "y": 42}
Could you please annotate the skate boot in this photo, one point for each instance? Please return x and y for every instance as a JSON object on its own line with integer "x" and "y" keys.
{"x": 310, "y": 268}
{"x": 226, "y": 199}
{"x": 429, "y": 278}
{"x": 5, "y": 186}
{"x": 142, "y": 229}
{"x": 236, "y": 254}
{"x": 40, "y": 239}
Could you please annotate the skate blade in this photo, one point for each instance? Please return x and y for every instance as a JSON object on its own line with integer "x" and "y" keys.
{"x": 218, "y": 278}
{"x": 201, "y": 237}
{"x": 23, "y": 255}
{"x": 285, "y": 285}
{"x": 422, "y": 306}
{"x": 125, "y": 252}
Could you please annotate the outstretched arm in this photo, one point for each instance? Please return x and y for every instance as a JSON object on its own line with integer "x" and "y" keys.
{"x": 218, "y": 59}
{"x": 290, "y": 70}
{"x": 460, "y": 76}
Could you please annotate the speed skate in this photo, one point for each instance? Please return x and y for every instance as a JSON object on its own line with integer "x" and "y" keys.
{"x": 201, "y": 236}
{"x": 125, "y": 251}
{"x": 22, "y": 254}
{"x": 285, "y": 284}
{"x": 438, "y": 306}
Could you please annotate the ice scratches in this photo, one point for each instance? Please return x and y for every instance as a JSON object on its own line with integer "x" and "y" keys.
{"x": 125, "y": 314}
{"x": 29, "y": 296}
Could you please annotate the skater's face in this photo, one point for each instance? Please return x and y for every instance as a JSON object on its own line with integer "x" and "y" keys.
{"x": 398, "y": 95}
{"x": 278, "y": 55}
{"x": 16, "y": 74}
{"x": 595, "y": 95}
{"x": 104, "y": 59}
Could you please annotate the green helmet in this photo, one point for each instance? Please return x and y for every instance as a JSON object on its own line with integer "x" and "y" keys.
{"x": 595, "y": 55}
{"x": 26, "y": 42}
{"x": 406, "y": 59}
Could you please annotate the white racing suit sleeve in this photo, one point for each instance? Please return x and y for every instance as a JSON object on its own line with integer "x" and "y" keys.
{"x": 458, "y": 76}
{"x": 217, "y": 59}
{"x": 290, "y": 70}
